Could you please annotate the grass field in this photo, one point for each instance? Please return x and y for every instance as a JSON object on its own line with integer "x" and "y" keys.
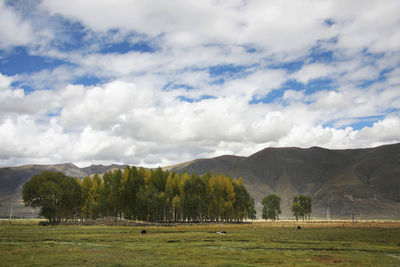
{"x": 23, "y": 243}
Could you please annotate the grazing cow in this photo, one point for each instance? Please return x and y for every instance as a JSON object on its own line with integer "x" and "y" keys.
{"x": 298, "y": 227}
{"x": 223, "y": 232}
{"x": 143, "y": 232}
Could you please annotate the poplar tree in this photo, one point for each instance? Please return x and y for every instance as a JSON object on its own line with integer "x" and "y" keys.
{"x": 271, "y": 207}
{"x": 302, "y": 207}
{"x": 154, "y": 195}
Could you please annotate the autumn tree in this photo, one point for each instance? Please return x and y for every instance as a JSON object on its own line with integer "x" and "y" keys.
{"x": 150, "y": 195}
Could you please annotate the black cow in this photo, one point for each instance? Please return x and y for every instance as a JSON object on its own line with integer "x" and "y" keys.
{"x": 298, "y": 227}
{"x": 143, "y": 232}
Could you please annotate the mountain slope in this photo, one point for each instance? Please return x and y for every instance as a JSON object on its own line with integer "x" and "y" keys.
{"x": 365, "y": 182}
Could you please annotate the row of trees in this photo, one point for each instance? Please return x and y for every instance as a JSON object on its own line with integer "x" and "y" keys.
{"x": 301, "y": 207}
{"x": 140, "y": 194}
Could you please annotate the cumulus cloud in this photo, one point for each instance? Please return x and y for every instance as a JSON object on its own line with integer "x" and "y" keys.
{"x": 216, "y": 77}
{"x": 273, "y": 127}
{"x": 93, "y": 127}
{"x": 384, "y": 131}
{"x": 99, "y": 106}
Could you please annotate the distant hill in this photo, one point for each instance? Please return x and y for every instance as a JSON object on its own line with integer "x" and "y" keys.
{"x": 13, "y": 178}
{"x": 365, "y": 182}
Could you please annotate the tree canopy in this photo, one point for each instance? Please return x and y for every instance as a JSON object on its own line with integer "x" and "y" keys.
{"x": 58, "y": 196}
{"x": 157, "y": 195}
{"x": 141, "y": 194}
{"x": 271, "y": 207}
{"x": 301, "y": 207}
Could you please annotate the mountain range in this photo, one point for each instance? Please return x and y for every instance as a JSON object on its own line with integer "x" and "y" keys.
{"x": 364, "y": 183}
{"x": 361, "y": 182}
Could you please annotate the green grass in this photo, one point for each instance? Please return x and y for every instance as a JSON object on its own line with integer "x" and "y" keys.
{"x": 198, "y": 245}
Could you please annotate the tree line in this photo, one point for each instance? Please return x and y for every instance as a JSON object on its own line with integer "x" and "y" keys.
{"x": 301, "y": 207}
{"x": 152, "y": 195}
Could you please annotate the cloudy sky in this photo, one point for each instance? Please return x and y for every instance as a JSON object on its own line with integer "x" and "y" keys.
{"x": 159, "y": 82}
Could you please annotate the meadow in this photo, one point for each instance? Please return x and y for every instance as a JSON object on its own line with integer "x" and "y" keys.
{"x": 318, "y": 243}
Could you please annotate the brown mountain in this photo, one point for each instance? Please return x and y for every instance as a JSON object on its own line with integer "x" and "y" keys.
{"x": 363, "y": 182}
{"x": 13, "y": 178}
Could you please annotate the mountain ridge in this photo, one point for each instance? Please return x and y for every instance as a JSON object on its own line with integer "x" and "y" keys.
{"x": 365, "y": 181}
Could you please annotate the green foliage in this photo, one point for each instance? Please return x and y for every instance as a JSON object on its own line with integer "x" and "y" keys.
{"x": 271, "y": 207}
{"x": 157, "y": 195}
{"x": 297, "y": 210}
{"x": 302, "y": 207}
{"x": 91, "y": 196}
{"x": 141, "y": 194}
{"x": 58, "y": 196}
{"x": 244, "y": 204}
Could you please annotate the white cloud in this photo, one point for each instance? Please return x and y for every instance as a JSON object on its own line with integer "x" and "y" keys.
{"x": 384, "y": 131}
{"x": 277, "y": 26}
{"x": 5, "y": 81}
{"x": 119, "y": 122}
{"x": 394, "y": 77}
{"x": 364, "y": 73}
{"x": 13, "y": 30}
{"x": 273, "y": 127}
{"x": 22, "y": 136}
{"x": 369, "y": 24}
{"x": 5, "y": 89}
{"x": 102, "y": 145}
{"x": 102, "y": 107}
{"x": 257, "y": 84}
{"x": 313, "y": 71}
{"x": 142, "y": 114}
{"x": 293, "y": 95}
{"x": 36, "y": 103}
{"x": 184, "y": 24}
{"x": 332, "y": 100}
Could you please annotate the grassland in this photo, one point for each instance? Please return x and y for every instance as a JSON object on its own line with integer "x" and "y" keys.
{"x": 23, "y": 243}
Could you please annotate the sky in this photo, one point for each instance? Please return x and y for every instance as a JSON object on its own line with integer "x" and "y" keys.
{"x": 155, "y": 83}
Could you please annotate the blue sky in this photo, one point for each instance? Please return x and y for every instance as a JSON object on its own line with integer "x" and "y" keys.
{"x": 155, "y": 83}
